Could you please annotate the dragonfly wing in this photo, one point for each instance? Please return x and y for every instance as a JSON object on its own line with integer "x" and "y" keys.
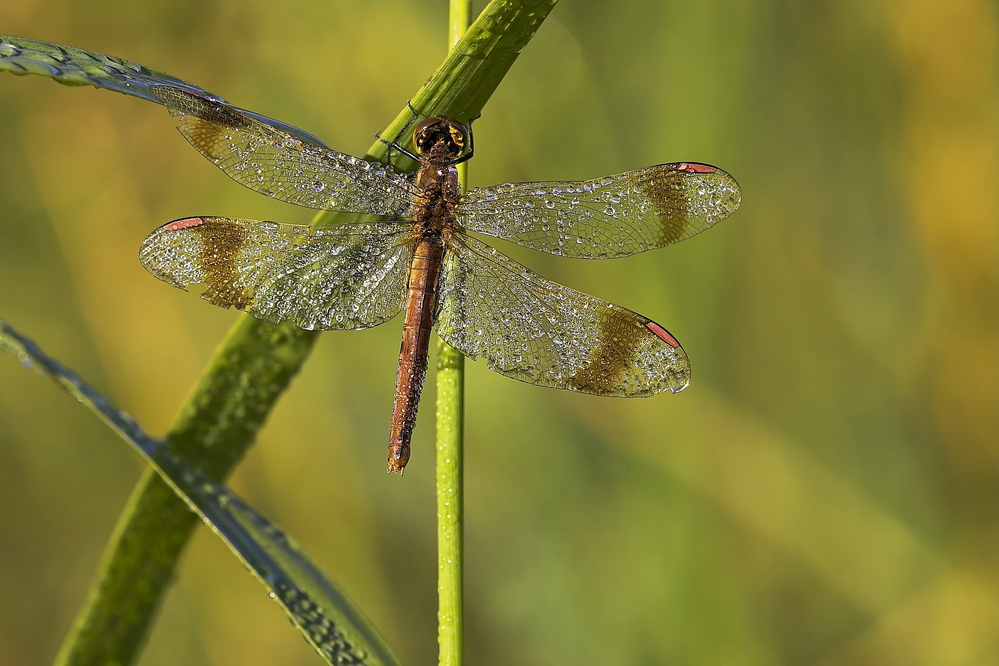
{"x": 543, "y": 333}
{"x": 276, "y": 163}
{"x": 614, "y": 216}
{"x": 264, "y": 154}
{"x": 335, "y": 277}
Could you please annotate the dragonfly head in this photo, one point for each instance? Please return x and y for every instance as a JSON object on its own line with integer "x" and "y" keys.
{"x": 440, "y": 138}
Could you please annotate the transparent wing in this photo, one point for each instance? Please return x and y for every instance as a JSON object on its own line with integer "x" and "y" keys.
{"x": 275, "y": 163}
{"x": 614, "y": 216}
{"x": 266, "y": 155}
{"x": 332, "y": 277}
{"x": 543, "y": 333}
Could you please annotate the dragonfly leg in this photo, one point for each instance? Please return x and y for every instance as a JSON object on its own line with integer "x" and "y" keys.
{"x": 394, "y": 143}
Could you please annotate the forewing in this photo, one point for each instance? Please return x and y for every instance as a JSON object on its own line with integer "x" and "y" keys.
{"x": 264, "y": 154}
{"x": 614, "y": 216}
{"x": 333, "y": 277}
{"x": 543, "y": 333}
{"x": 275, "y": 163}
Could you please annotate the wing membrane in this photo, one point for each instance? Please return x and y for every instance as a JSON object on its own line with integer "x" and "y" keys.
{"x": 264, "y": 154}
{"x": 614, "y": 216}
{"x": 332, "y": 277}
{"x": 271, "y": 161}
{"x": 543, "y": 333}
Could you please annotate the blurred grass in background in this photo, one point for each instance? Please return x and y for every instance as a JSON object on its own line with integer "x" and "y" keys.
{"x": 824, "y": 493}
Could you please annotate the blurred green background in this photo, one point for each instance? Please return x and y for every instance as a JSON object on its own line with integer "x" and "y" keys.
{"x": 824, "y": 493}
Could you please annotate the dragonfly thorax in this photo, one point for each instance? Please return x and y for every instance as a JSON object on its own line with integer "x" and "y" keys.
{"x": 439, "y": 195}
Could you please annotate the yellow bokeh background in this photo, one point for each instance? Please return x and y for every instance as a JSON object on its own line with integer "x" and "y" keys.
{"x": 825, "y": 492}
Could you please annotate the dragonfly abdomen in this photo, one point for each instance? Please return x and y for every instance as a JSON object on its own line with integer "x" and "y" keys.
{"x": 414, "y": 353}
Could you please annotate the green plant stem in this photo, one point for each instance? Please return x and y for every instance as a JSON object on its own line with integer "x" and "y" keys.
{"x": 217, "y": 424}
{"x": 450, "y": 456}
{"x": 450, "y": 504}
{"x": 459, "y": 18}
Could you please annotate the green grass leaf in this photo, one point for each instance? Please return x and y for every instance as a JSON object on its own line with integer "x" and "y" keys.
{"x": 334, "y": 626}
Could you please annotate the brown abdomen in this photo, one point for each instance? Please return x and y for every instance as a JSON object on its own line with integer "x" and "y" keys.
{"x": 413, "y": 356}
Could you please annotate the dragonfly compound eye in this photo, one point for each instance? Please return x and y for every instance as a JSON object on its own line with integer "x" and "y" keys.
{"x": 425, "y": 134}
{"x": 432, "y": 131}
{"x": 457, "y": 134}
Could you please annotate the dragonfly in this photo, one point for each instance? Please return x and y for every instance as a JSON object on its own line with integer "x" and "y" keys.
{"x": 417, "y": 257}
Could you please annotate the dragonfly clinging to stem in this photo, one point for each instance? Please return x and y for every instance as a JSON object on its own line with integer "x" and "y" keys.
{"x": 420, "y": 260}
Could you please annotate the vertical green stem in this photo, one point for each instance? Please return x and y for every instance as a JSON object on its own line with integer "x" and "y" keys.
{"x": 459, "y": 18}
{"x": 450, "y": 538}
{"x": 450, "y": 441}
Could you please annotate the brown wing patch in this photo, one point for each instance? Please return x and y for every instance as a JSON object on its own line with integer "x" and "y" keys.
{"x": 203, "y": 121}
{"x": 619, "y": 339}
{"x": 221, "y": 243}
{"x": 186, "y": 102}
{"x": 666, "y": 190}
{"x": 206, "y": 135}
